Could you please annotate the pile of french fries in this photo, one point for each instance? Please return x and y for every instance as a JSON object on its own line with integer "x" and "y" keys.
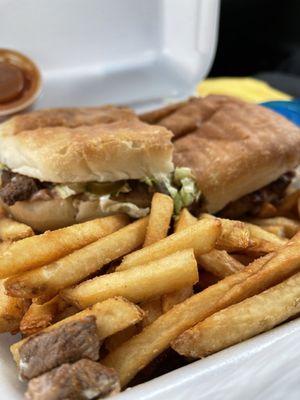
{"x": 197, "y": 285}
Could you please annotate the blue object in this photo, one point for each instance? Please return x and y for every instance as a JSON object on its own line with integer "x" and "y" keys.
{"x": 289, "y": 109}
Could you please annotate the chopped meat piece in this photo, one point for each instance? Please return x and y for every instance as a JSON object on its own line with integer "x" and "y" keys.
{"x": 140, "y": 194}
{"x": 17, "y": 187}
{"x": 251, "y": 203}
{"x": 80, "y": 381}
{"x": 68, "y": 343}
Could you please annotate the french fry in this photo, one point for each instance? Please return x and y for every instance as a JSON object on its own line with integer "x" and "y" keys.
{"x": 185, "y": 219}
{"x": 244, "y": 259}
{"x": 241, "y": 321}
{"x": 42, "y": 299}
{"x": 114, "y": 341}
{"x": 38, "y": 317}
{"x": 4, "y": 246}
{"x": 237, "y": 236}
{"x": 13, "y": 230}
{"x": 289, "y": 225}
{"x": 265, "y": 242}
{"x": 73, "y": 268}
{"x": 35, "y": 251}
{"x": 159, "y": 219}
{"x": 112, "y": 315}
{"x": 169, "y": 300}
{"x": 269, "y": 270}
{"x": 138, "y": 283}
{"x": 152, "y": 309}
{"x": 220, "y": 263}
{"x": 276, "y": 230}
{"x": 234, "y": 235}
{"x": 134, "y": 354}
{"x": 11, "y": 311}
{"x": 201, "y": 237}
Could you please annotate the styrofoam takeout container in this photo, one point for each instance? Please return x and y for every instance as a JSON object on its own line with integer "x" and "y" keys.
{"x": 142, "y": 53}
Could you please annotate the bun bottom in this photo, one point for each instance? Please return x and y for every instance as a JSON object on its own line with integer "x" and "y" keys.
{"x": 43, "y": 215}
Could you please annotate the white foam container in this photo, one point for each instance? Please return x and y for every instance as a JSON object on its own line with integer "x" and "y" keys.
{"x": 132, "y": 52}
{"x": 142, "y": 53}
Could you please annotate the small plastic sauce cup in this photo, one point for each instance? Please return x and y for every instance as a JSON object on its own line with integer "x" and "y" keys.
{"x": 20, "y": 82}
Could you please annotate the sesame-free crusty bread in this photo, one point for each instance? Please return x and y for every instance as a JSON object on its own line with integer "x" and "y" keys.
{"x": 185, "y": 117}
{"x": 67, "y": 117}
{"x": 107, "y": 152}
{"x": 240, "y": 148}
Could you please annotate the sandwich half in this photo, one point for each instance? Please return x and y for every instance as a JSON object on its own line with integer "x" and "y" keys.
{"x": 64, "y": 166}
{"x": 242, "y": 155}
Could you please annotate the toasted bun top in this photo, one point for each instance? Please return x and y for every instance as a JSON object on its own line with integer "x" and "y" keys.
{"x": 126, "y": 149}
{"x": 239, "y": 149}
{"x": 185, "y": 117}
{"x": 68, "y": 117}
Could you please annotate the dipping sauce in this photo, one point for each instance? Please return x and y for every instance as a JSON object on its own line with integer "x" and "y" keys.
{"x": 20, "y": 82}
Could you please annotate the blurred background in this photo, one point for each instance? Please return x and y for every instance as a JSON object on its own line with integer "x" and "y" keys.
{"x": 260, "y": 38}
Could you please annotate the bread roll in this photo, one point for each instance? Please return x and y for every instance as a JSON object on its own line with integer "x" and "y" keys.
{"x": 104, "y": 153}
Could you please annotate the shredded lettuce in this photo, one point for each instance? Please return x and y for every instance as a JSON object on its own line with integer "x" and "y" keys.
{"x": 189, "y": 191}
{"x": 182, "y": 173}
{"x": 109, "y": 206}
{"x": 65, "y": 191}
{"x": 180, "y": 185}
{"x": 148, "y": 181}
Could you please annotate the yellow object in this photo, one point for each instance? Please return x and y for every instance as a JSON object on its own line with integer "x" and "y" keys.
{"x": 247, "y": 89}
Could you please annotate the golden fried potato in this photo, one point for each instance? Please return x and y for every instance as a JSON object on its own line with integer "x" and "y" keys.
{"x": 201, "y": 237}
{"x": 48, "y": 280}
{"x": 112, "y": 315}
{"x": 138, "y": 283}
{"x": 38, "y": 317}
{"x": 137, "y": 352}
{"x": 11, "y": 230}
{"x": 35, "y": 251}
{"x": 159, "y": 219}
{"x": 12, "y": 311}
{"x": 241, "y": 321}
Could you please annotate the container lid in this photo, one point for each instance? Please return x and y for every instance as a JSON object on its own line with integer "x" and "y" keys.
{"x": 133, "y": 52}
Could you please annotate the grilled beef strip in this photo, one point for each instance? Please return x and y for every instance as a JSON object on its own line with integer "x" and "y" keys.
{"x": 83, "y": 380}
{"x": 68, "y": 343}
{"x": 16, "y": 187}
{"x": 250, "y": 204}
